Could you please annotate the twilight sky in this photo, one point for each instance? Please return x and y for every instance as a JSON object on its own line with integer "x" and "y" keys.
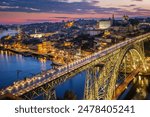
{"x": 27, "y": 11}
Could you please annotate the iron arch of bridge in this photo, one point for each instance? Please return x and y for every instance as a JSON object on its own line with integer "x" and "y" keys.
{"x": 138, "y": 52}
{"x": 104, "y": 86}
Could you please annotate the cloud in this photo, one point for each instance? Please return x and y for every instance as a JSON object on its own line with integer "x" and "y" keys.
{"x": 136, "y": 12}
{"x": 61, "y": 17}
{"x": 55, "y": 6}
{"x": 72, "y": 6}
{"x": 138, "y": 0}
{"x": 142, "y": 10}
{"x": 51, "y": 19}
{"x": 132, "y": 5}
{"x": 32, "y": 9}
{"x": 5, "y": 3}
{"x": 37, "y": 20}
{"x": 17, "y": 8}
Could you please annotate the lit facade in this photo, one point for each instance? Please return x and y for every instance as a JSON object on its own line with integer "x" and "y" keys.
{"x": 39, "y": 35}
{"x": 104, "y": 24}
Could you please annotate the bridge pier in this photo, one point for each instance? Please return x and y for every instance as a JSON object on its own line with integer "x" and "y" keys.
{"x": 50, "y": 94}
{"x": 91, "y": 82}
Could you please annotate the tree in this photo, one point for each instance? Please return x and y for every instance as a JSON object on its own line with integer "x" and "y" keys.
{"x": 134, "y": 22}
{"x": 69, "y": 95}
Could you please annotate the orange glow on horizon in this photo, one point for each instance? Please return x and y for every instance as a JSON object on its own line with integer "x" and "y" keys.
{"x": 22, "y": 17}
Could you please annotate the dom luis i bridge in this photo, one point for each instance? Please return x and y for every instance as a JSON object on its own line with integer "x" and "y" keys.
{"x": 108, "y": 73}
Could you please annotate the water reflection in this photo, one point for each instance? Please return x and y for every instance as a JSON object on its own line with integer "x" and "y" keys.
{"x": 10, "y": 63}
{"x": 75, "y": 84}
{"x": 43, "y": 61}
{"x": 139, "y": 89}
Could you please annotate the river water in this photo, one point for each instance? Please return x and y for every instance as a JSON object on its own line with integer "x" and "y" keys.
{"x": 15, "y": 67}
{"x": 8, "y": 32}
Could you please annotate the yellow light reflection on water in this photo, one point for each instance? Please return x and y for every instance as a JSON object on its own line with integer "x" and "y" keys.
{"x": 43, "y": 61}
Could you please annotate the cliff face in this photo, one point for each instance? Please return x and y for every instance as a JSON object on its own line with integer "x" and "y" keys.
{"x": 147, "y": 48}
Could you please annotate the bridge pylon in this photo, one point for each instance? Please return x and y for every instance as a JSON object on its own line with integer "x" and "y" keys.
{"x": 130, "y": 57}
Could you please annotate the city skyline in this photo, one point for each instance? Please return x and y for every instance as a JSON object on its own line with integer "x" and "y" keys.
{"x": 30, "y": 11}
